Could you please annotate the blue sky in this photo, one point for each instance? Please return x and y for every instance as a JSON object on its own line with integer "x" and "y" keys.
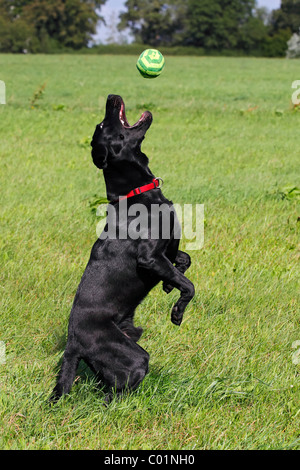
{"x": 112, "y": 9}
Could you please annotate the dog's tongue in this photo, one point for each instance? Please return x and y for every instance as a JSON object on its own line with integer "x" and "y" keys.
{"x": 122, "y": 116}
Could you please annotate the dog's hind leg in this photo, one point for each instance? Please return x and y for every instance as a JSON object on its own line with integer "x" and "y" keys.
{"x": 66, "y": 375}
{"x": 133, "y": 332}
{"x": 117, "y": 360}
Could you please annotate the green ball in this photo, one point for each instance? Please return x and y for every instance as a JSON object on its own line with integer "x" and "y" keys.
{"x": 150, "y": 64}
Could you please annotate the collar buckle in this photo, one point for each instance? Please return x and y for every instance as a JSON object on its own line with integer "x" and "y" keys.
{"x": 160, "y": 182}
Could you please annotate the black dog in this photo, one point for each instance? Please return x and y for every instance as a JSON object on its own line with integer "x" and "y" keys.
{"x": 121, "y": 271}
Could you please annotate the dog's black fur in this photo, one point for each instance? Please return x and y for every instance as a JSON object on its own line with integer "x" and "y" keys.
{"x": 121, "y": 272}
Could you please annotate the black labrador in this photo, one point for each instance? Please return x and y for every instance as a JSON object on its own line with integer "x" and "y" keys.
{"x": 122, "y": 270}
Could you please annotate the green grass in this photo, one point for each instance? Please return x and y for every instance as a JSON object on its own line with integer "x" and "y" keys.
{"x": 224, "y": 135}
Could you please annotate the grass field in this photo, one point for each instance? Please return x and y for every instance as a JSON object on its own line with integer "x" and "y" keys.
{"x": 224, "y": 135}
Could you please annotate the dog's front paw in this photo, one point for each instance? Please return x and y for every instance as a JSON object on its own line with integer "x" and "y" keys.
{"x": 176, "y": 316}
{"x": 167, "y": 288}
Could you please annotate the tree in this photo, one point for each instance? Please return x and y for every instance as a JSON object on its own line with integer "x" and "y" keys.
{"x": 15, "y": 33}
{"x": 153, "y": 22}
{"x": 287, "y": 17}
{"x": 67, "y": 23}
{"x": 284, "y": 21}
{"x": 70, "y": 22}
{"x": 209, "y": 24}
{"x": 216, "y": 24}
{"x": 254, "y": 33}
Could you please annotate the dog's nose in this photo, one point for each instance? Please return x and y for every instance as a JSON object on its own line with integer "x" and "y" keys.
{"x": 114, "y": 100}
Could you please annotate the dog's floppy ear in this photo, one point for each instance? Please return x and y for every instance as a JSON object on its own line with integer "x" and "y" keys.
{"x": 99, "y": 155}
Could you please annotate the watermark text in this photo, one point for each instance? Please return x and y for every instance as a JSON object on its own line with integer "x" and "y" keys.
{"x": 296, "y": 94}
{"x": 159, "y": 222}
{"x": 2, "y": 92}
{"x": 2, "y": 353}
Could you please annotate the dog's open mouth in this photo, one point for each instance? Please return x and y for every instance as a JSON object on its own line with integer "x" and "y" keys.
{"x": 122, "y": 116}
{"x": 115, "y": 104}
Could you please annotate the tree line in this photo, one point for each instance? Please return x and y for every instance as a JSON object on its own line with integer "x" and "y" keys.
{"x": 212, "y": 26}
{"x": 47, "y": 25}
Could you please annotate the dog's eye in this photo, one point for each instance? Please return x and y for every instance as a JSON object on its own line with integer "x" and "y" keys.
{"x": 121, "y": 136}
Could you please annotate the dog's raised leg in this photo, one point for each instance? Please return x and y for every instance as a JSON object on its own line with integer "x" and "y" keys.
{"x": 182, "y": 263}
{"x": 162, "y": 267}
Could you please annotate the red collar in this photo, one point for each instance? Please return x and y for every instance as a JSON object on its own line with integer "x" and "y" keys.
{"x": 156, "y": 183}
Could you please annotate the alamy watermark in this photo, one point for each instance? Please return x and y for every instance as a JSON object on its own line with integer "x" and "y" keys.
{"x": 296, "y": 94}
{"x": 2, "y": 93}
{"x": 296, "y": 354}
{"x": 2, "y": 353}
{"x": 160, "y": 221}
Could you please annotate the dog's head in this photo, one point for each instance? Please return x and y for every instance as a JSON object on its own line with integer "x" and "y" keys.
{"x": 114, "y": 138}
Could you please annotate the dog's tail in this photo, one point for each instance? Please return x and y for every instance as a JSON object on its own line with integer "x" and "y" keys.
{"x": 66, "y": 375}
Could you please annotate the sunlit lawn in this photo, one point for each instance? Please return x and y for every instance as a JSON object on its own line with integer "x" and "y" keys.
{"x": 224, "y": 135}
